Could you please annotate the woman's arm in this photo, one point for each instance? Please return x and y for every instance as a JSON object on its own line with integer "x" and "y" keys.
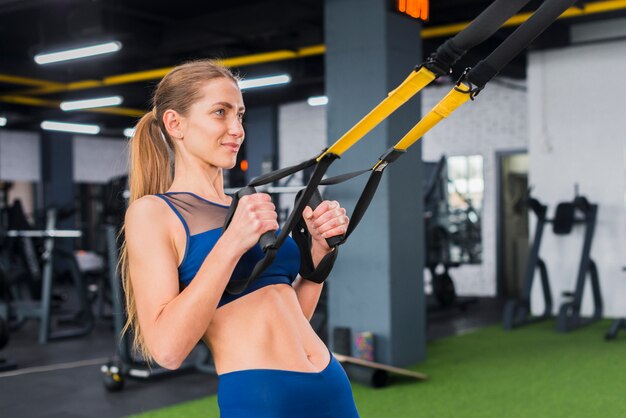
{"x": 327, "y": 220}
{"x": 173, "y": 322}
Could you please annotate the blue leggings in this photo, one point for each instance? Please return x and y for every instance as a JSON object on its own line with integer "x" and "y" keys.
{"x": 267, "y": 393}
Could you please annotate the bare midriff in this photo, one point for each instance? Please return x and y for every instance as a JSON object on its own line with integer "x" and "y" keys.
{"x": 265, "y": 329}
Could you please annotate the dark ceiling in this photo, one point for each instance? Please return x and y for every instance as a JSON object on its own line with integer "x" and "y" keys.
{"x": 157, "y": 34}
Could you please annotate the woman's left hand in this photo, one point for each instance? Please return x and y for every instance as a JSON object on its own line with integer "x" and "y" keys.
{"x": 327, "y": 220}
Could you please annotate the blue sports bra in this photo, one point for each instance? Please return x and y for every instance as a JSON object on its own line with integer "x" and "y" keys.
{"x": 203, "y": 221}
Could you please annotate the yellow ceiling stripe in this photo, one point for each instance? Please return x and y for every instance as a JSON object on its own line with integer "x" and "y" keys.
{"x": 13, "y": 79}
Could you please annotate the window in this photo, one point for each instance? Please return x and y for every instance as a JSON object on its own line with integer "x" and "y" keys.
{"x": 466, "y": 187}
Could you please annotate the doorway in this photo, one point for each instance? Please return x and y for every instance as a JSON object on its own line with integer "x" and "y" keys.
{"x": 513, "y": 235}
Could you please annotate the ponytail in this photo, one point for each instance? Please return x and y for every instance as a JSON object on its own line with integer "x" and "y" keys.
{"x": 151, "y": 159}
{"x": 150, "y": 162}
{"x": 150, "y": 173}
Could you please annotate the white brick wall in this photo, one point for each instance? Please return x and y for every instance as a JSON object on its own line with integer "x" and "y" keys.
{"x": 577, "y": 135}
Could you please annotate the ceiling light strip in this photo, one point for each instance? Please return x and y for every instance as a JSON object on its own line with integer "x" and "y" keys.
{"x": 77, "y": 128}
{"x": 78, "y": 53}
{"x": 34, "y": 101}
{"x": 91, "y": 103}
{"x": 317, "y": 100}
{"x": 269, "y": 81}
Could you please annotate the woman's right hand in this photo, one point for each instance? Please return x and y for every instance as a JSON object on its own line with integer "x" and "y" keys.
{"x": 255, "y": 215}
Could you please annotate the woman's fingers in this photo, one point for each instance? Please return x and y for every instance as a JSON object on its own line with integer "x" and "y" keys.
{"x": 328, "y": 219}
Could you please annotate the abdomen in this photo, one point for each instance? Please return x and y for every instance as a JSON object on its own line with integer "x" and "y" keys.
{"x": 265, "y": 329}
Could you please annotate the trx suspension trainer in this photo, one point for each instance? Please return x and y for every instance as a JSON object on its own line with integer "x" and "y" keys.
{"x": 438, "y": 64}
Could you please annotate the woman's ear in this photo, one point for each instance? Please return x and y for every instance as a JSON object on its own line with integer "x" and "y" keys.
{"x": 174, "y": 124}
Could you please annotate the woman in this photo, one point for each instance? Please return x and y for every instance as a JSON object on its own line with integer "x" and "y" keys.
{"x": 177, "y": 261}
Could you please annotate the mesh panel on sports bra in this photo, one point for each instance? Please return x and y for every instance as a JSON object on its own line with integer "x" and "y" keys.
{"x": 199, "y": 214}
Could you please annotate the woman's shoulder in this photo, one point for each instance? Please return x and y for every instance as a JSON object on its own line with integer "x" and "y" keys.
{"x": 147, "y": 209}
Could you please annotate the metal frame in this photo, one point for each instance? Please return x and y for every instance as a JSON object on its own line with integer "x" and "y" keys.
{"x": 517, "y": 311}
{"x": 42, "y": 310}
{"x": 568, "y": 318}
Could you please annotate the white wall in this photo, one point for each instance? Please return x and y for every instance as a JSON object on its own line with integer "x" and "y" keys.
{"x": 98, "y": 159}
{"x": 301, "y": 135}
{"x": 495, "y": 121}
{"x": 19, "y": 156}
{"x": 577, "y": 135}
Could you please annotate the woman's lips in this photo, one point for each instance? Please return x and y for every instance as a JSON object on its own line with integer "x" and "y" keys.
{"x": 233, "y": 147}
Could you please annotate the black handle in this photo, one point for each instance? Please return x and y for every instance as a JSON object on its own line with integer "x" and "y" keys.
{"x": 315, "y": 201}
{"x": 268, "y": 239}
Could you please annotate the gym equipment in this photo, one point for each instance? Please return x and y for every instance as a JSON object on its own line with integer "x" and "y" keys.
{"x": 471, "y": 83}
{"x": 443, "y": 230}
{"x": 569, "y": 318}
{"x": 517, "y": 312}
{"x": 616, "y": 325}
{"x": 41, "y": 308}
{"x": 364, "y": 371}
{"x": 5, "y": 365}
{"x": 379, "y": 366}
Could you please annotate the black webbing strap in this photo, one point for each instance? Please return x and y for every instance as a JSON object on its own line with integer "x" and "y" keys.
{"x": 481, "y": 28}
{"x": 282, "y": 173}
{"x": 369, "y": 190}
{"x": 303, "y": 239}
{"x": 237, "y": 286}
{"x": 487, "y": 23}
{"x": 520, "y": 39}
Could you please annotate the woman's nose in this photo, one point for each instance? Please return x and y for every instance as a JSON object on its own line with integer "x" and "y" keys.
{"x": 236, "y": 128}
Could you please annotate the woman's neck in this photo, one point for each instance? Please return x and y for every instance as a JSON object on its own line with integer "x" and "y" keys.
{"x": 206, "y": 181}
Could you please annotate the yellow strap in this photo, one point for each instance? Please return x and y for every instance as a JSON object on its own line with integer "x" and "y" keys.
{"x": 442, "y": 110}
{"x": 409, "y": 87}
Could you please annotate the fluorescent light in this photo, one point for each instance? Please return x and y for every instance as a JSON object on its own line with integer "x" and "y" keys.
{"x": 91, "y": 103}
{"x": 78, "y": 128}
{"x": 3, "y": 121}
{"x": 274, "y": 80}
{"x": 72, "y": 54}
{"x": 129, "y": 132}
{"x": 317, "y": 100}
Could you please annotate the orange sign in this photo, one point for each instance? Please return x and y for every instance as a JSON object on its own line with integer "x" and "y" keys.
{"x": 414, "y": 8}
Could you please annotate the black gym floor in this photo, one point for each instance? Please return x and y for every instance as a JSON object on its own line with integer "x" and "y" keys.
{"x": 63, "y": 379}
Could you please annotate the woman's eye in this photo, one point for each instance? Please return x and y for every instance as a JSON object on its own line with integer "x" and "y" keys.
{"x": 241, "y": 117}
{"x": 220, "y": 112}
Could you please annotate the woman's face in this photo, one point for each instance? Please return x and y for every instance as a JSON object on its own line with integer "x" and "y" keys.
{"x": 213, "y": 130}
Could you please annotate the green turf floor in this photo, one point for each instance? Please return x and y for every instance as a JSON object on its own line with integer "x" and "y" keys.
{"x": 529, "y": 372}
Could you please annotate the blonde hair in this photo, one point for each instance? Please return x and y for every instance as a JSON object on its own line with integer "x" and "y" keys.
{"x": 151, "y": 163}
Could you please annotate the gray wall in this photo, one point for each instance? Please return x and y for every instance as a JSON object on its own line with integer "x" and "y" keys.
{"x": 261, "y": 138}
{"x": 377, "y": 281}
{"x": 98, "y": 159}
{"x": 19, "y": 156}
